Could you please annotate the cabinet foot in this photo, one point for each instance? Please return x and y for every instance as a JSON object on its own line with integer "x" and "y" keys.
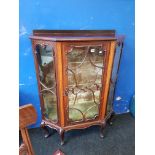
{"x": 102, "y": 130}
{"x": 111, "y": 119}
{"x": 46, "y": 131}
{"x": 61, "y": 133}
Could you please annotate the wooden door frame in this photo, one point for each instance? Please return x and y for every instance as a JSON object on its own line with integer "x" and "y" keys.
{"x": 107, "y": 79}
{"x": 52, "y": 44}
{"x": 64, "y": 50}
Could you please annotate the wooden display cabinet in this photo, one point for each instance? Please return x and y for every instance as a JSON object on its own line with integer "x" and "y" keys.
{"x": 73, "y": 71}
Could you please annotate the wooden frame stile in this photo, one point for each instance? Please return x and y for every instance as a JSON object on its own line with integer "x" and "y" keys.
{"x": 59, "y": 73}
{"x": 106, "y": 60}
{"x": 64, "y": 73}
{"x": 107, "y": 81}
{"x": 58, "y": 61}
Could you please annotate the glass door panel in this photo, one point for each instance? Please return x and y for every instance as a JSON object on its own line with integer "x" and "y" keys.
{"x": 85, "y": 72}
{"x": 114, "y": 79}
{"x": 45, "y": 59}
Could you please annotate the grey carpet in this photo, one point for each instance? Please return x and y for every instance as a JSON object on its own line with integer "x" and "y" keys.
{"x": 119, "y": 140}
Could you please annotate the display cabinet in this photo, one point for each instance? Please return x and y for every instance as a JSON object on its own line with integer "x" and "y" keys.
{"x": 74, "y": 70}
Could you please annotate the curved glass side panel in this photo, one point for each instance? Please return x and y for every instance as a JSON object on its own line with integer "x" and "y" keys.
{"x": 113, "y": 79}
{"x": 45, "y": 59}
{"x": 85, "y": 72}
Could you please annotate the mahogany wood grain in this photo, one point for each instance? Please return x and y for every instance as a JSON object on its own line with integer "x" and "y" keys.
{"x": 61, "y": 40}
{"x": 107, "y": 79}
{"x": 74, "y": 33}
{"x": 27, "y": 116}
{"x": 58, "y": 56}
{"x": 23, "y": 149}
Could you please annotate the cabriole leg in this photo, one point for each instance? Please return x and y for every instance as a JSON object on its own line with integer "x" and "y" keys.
{"x": 46, "y": 131}
{"x": 102, "y": 130}
{"x": 111, "y": 119}
{"x": 61, "y": 133}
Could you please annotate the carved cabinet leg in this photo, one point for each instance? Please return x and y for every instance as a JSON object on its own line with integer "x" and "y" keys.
{"x": 46, "y": 131}
{"x": 102, "y": 130}
{"x": 61, "y": 133}
{"x": 111, "y": 119}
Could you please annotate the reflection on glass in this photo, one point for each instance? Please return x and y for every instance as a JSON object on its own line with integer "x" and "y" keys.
{"x": 113, "y": 80}
{"x": 45, "y": 60}
{"x": 110, "y": 99}
{"x": 85, "y": 70}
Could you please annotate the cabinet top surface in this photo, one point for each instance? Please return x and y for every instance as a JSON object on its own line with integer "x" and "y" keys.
{"x": 74, "y": 35}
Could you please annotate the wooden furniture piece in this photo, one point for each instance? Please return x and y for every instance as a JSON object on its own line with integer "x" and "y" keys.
{"x": 114, "y": 75}
{"x": 73, "y": 71}
{"x": 27, "y": 116}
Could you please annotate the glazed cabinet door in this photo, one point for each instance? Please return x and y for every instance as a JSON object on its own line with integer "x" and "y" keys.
{"x": 45, "y": 68}
{"x": 84, "y": 66}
